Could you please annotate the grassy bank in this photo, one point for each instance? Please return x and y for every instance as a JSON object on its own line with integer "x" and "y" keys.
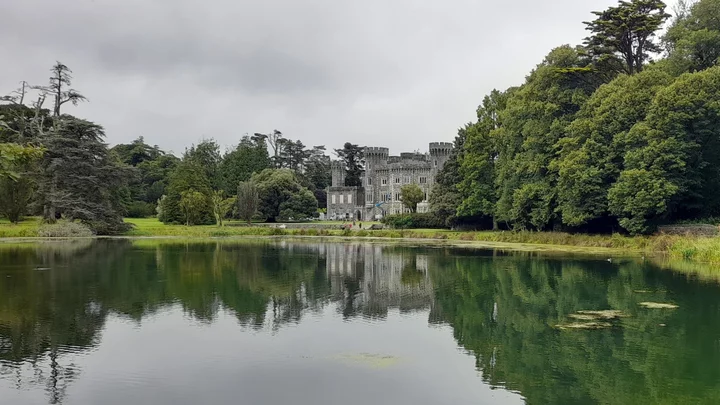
{"x": 698, "y": 249}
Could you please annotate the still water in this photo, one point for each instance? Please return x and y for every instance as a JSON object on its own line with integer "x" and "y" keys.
{"x": 274, "y": 322}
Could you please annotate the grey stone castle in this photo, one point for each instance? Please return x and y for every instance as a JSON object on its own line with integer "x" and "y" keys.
{"x": 382, "y": 180}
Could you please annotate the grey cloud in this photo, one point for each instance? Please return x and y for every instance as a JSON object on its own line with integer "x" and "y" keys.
{"x": 399, "y": 73}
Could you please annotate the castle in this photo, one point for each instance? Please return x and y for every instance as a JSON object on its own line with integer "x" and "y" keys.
{"x": 382, "y": 179}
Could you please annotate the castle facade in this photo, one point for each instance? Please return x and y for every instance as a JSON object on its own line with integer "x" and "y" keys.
{"x": 382, "y": 180}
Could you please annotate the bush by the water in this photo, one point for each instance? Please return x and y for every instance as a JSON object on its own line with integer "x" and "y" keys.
{"x": 64, "y": 229}
{"x": 414, "y": 221}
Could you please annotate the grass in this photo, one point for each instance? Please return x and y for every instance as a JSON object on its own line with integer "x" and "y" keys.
{"x": 27, "y": 228}
{"x": 696, "y": 249}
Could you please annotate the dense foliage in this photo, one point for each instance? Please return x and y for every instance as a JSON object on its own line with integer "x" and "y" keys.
{"x": 599, "y": 137}
{"x": 414, "y": 221}
{"x": 58, "y": 166}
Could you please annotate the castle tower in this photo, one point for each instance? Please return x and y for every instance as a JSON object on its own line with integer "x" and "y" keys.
{"x": 439, "y": 154}
{"x": 337, "y": 169}
{"x": 375, "y": 156}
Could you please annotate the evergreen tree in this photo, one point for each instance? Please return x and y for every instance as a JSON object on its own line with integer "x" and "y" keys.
{"x": 354, "y": 160}
{"x": 624, "y": 34}
{"x": 80, "y": 178}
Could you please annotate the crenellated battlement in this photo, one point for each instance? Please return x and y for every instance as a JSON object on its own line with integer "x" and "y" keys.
{"x": 376, "y": 153}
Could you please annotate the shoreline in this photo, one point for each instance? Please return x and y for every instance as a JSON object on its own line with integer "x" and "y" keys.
{"x": 691, "y": 249}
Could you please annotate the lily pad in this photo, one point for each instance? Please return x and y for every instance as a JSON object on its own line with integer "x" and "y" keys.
{"x": 603, "y": 314}
{"x": 585, "y": 325}
{"x": 583, "y": 317}
{"x": 658, "y": 305}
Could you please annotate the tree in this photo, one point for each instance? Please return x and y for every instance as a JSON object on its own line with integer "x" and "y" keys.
{"x": 411, "y": 195}
{"x": 17, "y": 164}
{"x": 591, "y": 154}
{"x": 221, "y": 205}
{"x": 477, "y": 168}
{"x": 191, "y": 204}
{"x": 275, "y": 188}
{"x": 59, "y": 88}
{"x": 152, "y": 168}
{"x": 693, "y": 39}
{"x": 444, "y": 196}
{"x": 274, "y": 139}
{"x": 533, "y": 121}
{"x": 299, "y": 206}
{"x": 291, "y": 155}
{"x": 80, "y": 178}
{"x": 250, "y": 156}
{"x": 187, "y": 175}
{"x": 625, "y": 33}
{"x": 206, "y": 155}
{"x": 353, "y": 158}
{"x": 317, "y": 176}
{"x": 137, "y": 152}
{"x": 248, "y": 201}
{"x": 673, "y": 168}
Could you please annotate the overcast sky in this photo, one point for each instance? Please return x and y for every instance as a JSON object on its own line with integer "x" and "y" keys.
{"x": 396, "y": 73}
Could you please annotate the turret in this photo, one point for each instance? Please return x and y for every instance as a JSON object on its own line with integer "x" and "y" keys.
{"x": 440, "y": 153}
{"x": 375, "y": 156}
{"x": 337, "y": 169}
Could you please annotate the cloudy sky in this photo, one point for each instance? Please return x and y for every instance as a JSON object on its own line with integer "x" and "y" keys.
{"x": 396, "y": 73}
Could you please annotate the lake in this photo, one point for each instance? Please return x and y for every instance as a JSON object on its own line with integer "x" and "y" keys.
{"x": 282, "y": 321}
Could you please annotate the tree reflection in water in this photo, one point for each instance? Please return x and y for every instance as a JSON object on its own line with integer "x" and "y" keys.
{"x": 503, "y": 308}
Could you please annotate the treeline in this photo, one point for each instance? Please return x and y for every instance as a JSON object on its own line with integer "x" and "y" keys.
{"x": 58, "y": 166}
{"x": 600, "y": 137}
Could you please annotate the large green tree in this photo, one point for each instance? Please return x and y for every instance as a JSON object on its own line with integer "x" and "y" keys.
{"x": 444, "y": 197}
{"x": 80, "y": 178}
{"x": 238, "y": 165}
{"x": 477, "y": 167}
{"x": 693, "y": 39}
{"x": 674, "y": 170}
{"x": 152, "y": 168}
{"x": 352, "y": 157}
{"x": 281, "y": 192}
{"x": 206, "y": 155}
{"x": 624, "y": 34}
{"x": 591, "y": 153}
{"x": 411, "y": 195}
{"x": 187, "y": 175}
{"x": 248, "y": 201}
{"x": 533, "y": 121}
{"x": 17, "y": 181}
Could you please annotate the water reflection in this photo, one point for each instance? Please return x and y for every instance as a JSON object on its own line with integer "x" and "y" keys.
{"x": 56, "y": 299}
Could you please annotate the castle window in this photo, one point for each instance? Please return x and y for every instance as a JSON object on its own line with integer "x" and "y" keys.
{"x": 333, "y": 198}
{"x": 384, "y": 182}
{"x": 436, "y": 163}
{"x": 423, "y": 180}
{"x": 349, "y": 198}
{"x": 369, "y": 181}
{"x": 397, "y": 180}
{"x": 397, "y": 196}
{"x": 342, "y": 198}
{"x": 368, "y": 198}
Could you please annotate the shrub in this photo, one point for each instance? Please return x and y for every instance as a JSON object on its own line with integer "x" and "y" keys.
{"x": 64, "y": 229}
{"x": 414, "y": 221}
